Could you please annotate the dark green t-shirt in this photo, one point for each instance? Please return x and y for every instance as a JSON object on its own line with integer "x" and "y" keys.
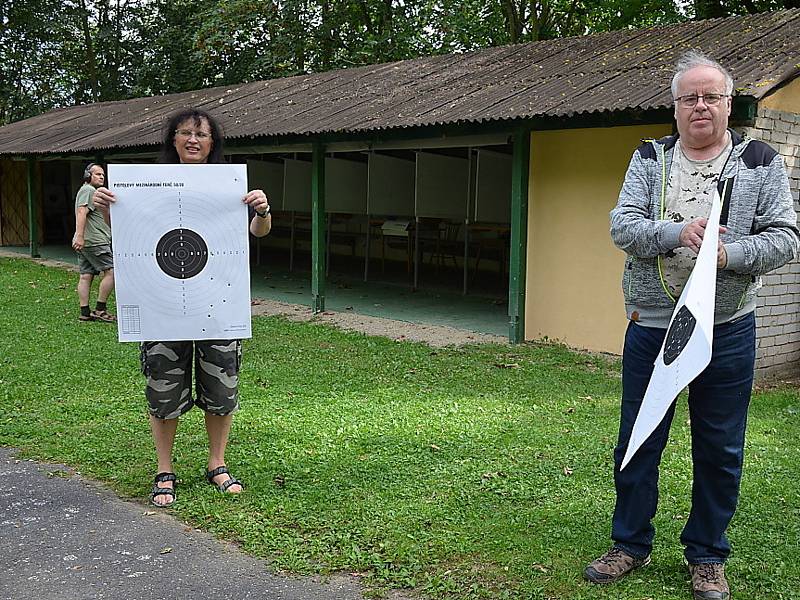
{"x": 97, "y": 232}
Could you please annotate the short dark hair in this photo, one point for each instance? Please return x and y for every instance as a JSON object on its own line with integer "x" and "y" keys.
{"x": 169, "y": 154}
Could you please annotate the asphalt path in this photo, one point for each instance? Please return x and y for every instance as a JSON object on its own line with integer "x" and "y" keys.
{"x": 66, "y": 538}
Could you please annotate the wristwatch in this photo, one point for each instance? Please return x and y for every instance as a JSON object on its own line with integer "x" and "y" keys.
{"x": 264, "y": 214}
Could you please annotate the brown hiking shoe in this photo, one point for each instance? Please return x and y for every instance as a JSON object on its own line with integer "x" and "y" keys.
{"x": 613, "y": 565}
{"x": 708, "y": 582}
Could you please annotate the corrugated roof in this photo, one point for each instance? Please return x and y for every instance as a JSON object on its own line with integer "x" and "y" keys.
{"x": 607, "y": 72}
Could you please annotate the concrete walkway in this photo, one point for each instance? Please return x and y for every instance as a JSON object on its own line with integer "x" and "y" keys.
{"x": 65, "y": 538}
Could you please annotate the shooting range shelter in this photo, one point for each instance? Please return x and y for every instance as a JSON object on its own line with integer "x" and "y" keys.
{"x": 496, "y": 165}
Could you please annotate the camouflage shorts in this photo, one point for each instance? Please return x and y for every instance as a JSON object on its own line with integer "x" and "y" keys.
{"x": 168, "y": 369}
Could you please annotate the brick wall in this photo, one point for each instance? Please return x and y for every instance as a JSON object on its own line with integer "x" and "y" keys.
{"x": 778, "y": 311}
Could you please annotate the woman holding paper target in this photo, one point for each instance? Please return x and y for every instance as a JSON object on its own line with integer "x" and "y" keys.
{"x": 192, "y": 136}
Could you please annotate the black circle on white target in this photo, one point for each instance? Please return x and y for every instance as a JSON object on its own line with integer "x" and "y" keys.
{"x": 227, "y": 249}
{"x": 181, "y": 253}
{"x": 679, "y": 333}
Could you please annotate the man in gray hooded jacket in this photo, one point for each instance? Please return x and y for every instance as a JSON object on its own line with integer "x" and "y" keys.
{"x": 659, "y": 222}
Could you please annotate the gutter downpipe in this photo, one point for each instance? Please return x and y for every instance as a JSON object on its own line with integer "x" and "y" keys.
{"x": 33, "y": 230}
{"x": 318, "y": 228}
{"x": 520, "y": 168}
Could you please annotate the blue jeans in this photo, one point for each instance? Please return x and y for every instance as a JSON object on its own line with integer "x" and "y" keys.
{"x": 718, "y": 401}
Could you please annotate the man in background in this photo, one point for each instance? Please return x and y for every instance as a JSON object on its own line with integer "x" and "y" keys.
{"x": 92, "y": 242}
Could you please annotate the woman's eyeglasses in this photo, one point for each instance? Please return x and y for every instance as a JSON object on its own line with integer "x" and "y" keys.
{"x": 187, "y": 133}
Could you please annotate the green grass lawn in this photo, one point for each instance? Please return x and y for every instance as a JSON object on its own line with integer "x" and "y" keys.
{"x": 481, "y": 472}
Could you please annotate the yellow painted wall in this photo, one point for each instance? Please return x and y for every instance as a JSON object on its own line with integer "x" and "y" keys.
{"x": 787, "y": 98}
{"x": 574, "y": 271}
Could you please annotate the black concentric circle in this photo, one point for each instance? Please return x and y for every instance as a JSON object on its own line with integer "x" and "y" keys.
{"x": 181, "y": 253}
{"x": 678, "y": 335}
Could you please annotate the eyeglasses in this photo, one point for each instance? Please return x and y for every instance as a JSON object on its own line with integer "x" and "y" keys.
{"x": 187, "y": 133}
{"x": 690, "y": 100}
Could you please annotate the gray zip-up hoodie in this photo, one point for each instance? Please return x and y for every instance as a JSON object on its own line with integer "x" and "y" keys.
{"x": 757, "y": 211}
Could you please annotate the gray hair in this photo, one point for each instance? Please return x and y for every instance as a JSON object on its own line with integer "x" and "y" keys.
{"x": 690, "y": 60}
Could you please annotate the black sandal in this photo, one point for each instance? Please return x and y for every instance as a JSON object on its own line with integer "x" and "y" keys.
{"x": 163, "y": 491}
{"x": 222, "y": 487}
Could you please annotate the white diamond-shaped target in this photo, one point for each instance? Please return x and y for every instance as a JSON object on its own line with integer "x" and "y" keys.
{"x": 181, "y": 257}
{"x": 687, "y": 346}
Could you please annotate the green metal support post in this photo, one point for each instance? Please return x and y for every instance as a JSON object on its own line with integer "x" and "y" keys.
{"x": 33, "y": 229}
{"x": 520, "y": 167}
{"x": 318, "y": 228}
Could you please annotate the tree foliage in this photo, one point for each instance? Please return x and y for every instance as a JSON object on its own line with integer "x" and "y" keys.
{"x": 33, "y": 73}
{"x": 709, "y": 9}
{"x": 64, "y": 52}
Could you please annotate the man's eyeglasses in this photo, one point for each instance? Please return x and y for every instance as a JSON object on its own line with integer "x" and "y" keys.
{"x": 187, "y": 133}
{"x": 690, "y": 100}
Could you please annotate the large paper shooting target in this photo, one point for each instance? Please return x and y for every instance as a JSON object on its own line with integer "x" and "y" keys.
{"x": 679, "y": 333}
{"x": 185, "y": 260}
{"x": 181, "y": 253}
{"x": 689, "y": 342}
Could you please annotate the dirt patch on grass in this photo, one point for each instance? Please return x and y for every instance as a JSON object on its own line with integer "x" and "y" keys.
{"x": 433, "y": 335}
{"x": 42, "y": 261}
